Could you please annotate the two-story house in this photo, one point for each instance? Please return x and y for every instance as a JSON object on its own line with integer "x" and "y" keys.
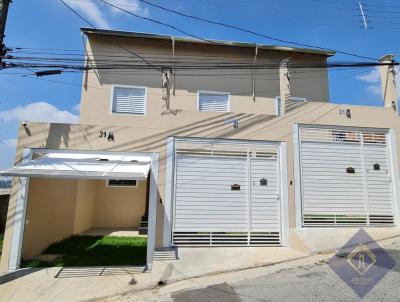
{"x": 205, "y": 143}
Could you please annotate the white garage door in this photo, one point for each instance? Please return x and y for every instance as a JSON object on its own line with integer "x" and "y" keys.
{"x": 226, "y": 194}
{"x": 345, "y": 177}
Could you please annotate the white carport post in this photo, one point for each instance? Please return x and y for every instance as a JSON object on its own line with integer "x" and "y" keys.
{"x": 152, "y": 219}
{"x": 168, "y": 199}
{"x": 19, "y": 217}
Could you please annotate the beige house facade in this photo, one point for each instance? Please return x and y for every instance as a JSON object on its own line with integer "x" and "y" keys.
{"x": 228, "y": 163}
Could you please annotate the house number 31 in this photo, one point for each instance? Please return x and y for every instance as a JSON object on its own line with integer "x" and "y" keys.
{"x": 107, "y": 135}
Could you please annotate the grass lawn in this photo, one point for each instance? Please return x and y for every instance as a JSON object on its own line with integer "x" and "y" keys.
{"x": 95, "y": 251}
{"x": 1, "y": 242}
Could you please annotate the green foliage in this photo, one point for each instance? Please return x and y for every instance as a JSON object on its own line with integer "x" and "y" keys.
{"x": 96, "y": 251}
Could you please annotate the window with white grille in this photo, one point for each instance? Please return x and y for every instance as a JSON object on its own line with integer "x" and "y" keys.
{"x": 130, "y": 100}
{"x": 213, "y": 101}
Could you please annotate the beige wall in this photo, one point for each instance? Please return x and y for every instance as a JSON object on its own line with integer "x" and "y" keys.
{"x": 50, "y": 214}
{"x": 152, "y": 138}
{"x": 119, "y": 207}
{"x": 59, "y": 208}
{"x": 85, "y": 205}
{"x": 97, "y": 85}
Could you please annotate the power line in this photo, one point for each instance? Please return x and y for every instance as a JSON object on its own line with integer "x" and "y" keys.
{"x": 158, "y": 22}
{"x": 102, "y": 88}
{"x": 116, "y": 42}
{"x": 202, "y": 65}
{"x": 239, "y": 29}
{"x": 307, "y": 16}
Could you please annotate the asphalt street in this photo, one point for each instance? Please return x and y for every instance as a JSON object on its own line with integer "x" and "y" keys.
{"x": 316, "y": 282}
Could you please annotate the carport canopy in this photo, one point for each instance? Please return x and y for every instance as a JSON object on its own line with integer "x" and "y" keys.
{"x": 82, "y": 166}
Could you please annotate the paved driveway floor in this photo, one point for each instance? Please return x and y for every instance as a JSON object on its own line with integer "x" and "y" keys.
{"x": 294, "y": 278}
{"x": 305, "y": 282}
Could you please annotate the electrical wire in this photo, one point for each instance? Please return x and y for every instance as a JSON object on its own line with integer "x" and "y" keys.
{"x": 228, "y": 26}
{"x": 311, "y": 15}
{"x": 116, "y": 42}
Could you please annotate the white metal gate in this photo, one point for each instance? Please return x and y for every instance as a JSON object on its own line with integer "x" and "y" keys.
{"x": 345, "y": 177}
{"x": 226, "y": 194}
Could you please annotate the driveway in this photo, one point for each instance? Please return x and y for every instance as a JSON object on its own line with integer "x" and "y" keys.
{"x": 305, "y": 282}
{"x": 294, "y": 279}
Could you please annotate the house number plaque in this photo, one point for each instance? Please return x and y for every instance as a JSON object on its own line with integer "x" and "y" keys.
{"x": 108, "y": 135}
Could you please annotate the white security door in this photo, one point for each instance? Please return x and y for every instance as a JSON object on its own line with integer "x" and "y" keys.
{"x": 226, "y": 195}
{"x": 265, "y": 206}
{"x": 205, "y": 200}
{"x": 379, "y": 184}
{"x": 345, "y": 177}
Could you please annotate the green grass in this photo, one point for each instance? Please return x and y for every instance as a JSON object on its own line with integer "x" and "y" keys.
{"x": 1, "y": 242}
{"x": 95, "y": 251}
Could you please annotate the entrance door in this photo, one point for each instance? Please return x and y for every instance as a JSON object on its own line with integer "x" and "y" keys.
{"x": 345, "y": 177}
{"x": 226, "y": 195}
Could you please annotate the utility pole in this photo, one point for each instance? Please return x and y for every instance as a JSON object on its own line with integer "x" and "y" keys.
{"x": 4, "y": 4}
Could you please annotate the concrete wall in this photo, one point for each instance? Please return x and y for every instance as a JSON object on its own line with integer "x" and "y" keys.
{"x": 194, "y": 124}
{"x": 85, "y": 205}
{"x": 60, "y": 208}
{"x": 97, "y": 85}
{"x": 119, "y": 207}
{"x": 50, "y": 215}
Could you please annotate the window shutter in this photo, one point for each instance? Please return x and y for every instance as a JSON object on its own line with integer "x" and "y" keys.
{"x": 129, "y": 100}
{"x": 216, "y": 102}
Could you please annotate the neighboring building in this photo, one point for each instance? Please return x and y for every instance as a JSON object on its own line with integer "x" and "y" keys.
{"x": 205, "y": 156}
{"x": 4, "y": 198}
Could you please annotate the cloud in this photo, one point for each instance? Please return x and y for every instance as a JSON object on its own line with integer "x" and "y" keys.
{"x": 133, "y": 6}
{"x": 373, "y": 79}
{"x": 374, "y": 89}
{"x": 10, "y": 143}
{"x": 77, "y": 107}
{"x": 96, "y": 12}
{"x": 38, "y": 112}
{"x": 90, "y": 11}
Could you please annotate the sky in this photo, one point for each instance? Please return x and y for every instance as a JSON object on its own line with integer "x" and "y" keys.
{"x": 326, "y": 23}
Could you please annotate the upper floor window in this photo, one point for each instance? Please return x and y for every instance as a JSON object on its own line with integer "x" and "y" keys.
{"x": 213, "y": 101}
{"x": 129, "y": 99}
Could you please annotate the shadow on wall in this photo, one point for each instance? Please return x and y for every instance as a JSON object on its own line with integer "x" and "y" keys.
{"x": 4, "y": 199}
{"x": 58, "y": 136}
{"x": 211, "y": 127}
{"x": 238, "y": 81}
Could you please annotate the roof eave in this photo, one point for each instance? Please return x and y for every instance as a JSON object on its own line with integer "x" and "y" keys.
{"x": 128, "y": 34}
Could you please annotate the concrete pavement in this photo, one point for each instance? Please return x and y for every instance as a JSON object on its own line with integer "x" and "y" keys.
{"x": 306, "y": 279}
{"x": 80, "y": 284}
{"x": 197, "y": 267}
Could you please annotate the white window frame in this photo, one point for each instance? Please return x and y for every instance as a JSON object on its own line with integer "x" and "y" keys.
{"x": 113, "y": 186}
{"x": 213, "y": 92}
{"x": 128, "y": 86}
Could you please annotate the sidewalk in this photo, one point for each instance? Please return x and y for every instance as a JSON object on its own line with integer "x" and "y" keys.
{"x": 80, "y": 284}
{"x": 77, "y": 284}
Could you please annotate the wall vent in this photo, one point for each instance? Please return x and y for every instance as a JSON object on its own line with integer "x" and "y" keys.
{"x": 226, "y": 238}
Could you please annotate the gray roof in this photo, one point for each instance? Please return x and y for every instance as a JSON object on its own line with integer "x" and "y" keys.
{"x": 130, "y": 34}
